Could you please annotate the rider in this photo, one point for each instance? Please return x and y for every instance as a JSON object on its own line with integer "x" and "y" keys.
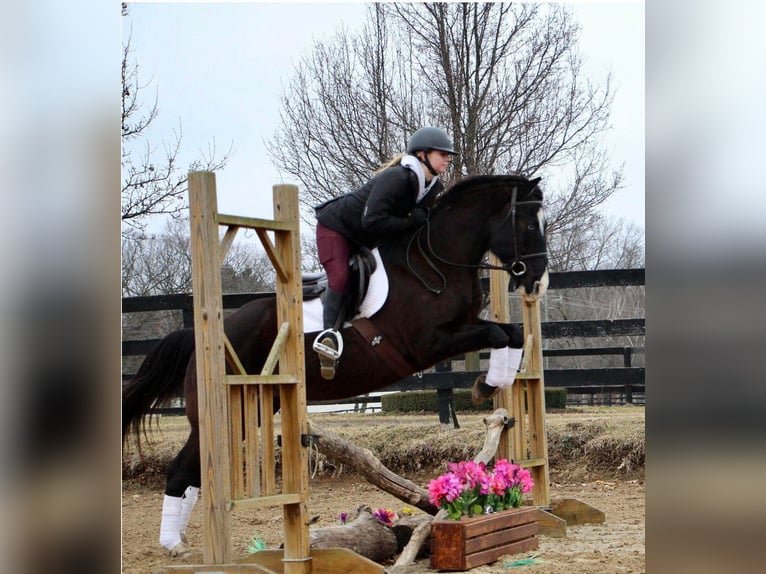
{"x": 394, "y": 201}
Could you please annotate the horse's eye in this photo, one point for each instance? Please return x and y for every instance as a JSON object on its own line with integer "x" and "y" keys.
{"x": 531, "y": 227}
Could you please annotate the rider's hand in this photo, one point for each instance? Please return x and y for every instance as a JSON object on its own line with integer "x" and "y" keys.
{"x": 419, "y": 215}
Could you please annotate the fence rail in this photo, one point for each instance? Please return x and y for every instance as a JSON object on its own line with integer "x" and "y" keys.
{"x": 607, "y": 385}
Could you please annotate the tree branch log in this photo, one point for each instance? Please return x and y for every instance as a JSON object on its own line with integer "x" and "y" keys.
{"x": 365, "y": 535}
{"x": 370, "y": 467}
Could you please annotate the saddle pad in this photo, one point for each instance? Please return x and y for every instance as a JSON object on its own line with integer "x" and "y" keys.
{"x": 376, "y": 296}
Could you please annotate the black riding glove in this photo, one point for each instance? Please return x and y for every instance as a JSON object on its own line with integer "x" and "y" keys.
{"x": 419, "y": 215}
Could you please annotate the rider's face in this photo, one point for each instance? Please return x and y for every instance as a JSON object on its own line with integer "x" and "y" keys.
{"x": 439, "y": 160}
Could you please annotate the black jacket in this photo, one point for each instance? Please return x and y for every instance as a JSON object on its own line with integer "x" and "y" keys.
{"x": 379, "y": 208}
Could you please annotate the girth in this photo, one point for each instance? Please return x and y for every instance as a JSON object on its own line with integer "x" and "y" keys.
{"x": 383, "y": 347}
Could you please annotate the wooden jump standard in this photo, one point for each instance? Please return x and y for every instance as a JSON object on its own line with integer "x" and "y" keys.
{"x": 236, "y": 454}
{"x": 526, "y": 443}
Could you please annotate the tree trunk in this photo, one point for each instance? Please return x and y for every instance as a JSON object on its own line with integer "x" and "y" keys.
{"x": 365, "y": 535}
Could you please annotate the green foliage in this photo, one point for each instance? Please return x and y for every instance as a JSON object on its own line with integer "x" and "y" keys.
{"x": 426, "y": 401}
{"x": 255, "y": 545}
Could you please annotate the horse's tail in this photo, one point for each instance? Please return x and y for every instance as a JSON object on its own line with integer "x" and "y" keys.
{"x": 159, "y": 380}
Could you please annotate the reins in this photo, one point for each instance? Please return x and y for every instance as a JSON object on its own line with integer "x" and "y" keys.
{"x": 517, "y": 267}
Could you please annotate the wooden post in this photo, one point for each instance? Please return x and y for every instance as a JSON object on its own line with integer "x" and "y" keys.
{"x": 500, "y": 313}
{"x": 292, "y": 397}
{"x": 211, "y": 368}
{"x": 526, "y": 443}
{"x": 538, "y": 441}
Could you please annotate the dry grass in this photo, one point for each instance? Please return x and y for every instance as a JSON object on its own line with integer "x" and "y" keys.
{"x": 586, "y": 443}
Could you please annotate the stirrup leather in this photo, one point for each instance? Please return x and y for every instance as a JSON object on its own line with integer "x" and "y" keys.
{"x": 323, "y": 349}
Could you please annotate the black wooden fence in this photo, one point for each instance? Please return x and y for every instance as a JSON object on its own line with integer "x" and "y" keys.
{"x": 599, "y": 385}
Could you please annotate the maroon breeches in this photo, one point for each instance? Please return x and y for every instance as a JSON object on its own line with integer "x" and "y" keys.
{"x": 334, "y": 251}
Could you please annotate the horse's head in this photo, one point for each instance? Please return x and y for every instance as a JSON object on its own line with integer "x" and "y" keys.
{"x": 517, "y": 235}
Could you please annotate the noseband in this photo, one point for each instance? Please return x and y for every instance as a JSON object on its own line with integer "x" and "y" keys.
{"x": 517, "y": 267}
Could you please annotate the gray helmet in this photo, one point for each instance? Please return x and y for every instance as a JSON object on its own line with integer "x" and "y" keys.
{"x": 430, "y": 138}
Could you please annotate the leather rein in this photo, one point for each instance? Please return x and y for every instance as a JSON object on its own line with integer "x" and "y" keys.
{"x": 517, "y": 267}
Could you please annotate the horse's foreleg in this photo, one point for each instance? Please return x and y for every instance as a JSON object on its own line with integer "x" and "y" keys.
{"x": 473, "y": 337}
{"x": 180, "y": 496}
{"x": 514, "y": 333}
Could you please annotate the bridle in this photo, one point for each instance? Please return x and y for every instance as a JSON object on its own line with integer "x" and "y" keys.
{"x": 517, "y": 267}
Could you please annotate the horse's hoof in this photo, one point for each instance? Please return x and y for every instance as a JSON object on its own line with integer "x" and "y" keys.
{"x": 180, "y": 551}
{"x": 481, "y": 391}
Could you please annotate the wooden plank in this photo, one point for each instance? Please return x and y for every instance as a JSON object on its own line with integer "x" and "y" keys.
{"x": 253, "y": 443}
{"x": 487, "y": 556}
{"x": 271, "y": 251}
{"x": 530, "y": 462}
{"x": 538, "y": 440}
{"x": 506, "y": 536}
{"x": 550, "y": 524}
{"x": 553, "y": 378}
{"x": 261, "y": 380}
{"x": 232, "y": 568}
{"x": 323, "y": 561}
{"x": 255, "y": 223}
{"x": 500, "y": 313}
{"x": 276, "y": 349}
{"x": 211, "y": 369}
{"x": 268, "y": 460}
{"x": 236, "y": 433}
{"x": 232, "y": 359}
{"x": 597, "y": 328}
{"x": 295, "y": 478}
{"x": 228, "y": 239}
{"x": 576, "y": 511}
{"x": 264, "y": 501}
{"x": 595, "y": 278}
{"x": 480, "y": 525}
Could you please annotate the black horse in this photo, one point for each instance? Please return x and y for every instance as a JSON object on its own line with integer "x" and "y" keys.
{"x": 431, "y": 314}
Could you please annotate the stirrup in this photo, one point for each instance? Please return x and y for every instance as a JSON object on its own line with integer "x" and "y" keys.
{"x": 326, "y": 350}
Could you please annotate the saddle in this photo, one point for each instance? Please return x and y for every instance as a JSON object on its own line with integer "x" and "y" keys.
{"x": 361, "y": 267}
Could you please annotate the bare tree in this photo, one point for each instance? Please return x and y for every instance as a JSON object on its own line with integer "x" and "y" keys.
{"x": 153, "y": 180}
{"x": 157, "y": 264}
{"x": 161, "y": 264}
{"x": 504, "y": 79}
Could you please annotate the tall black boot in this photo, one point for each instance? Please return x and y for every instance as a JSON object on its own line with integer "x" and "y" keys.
{"x": 329, "y": 343}
{"x": 333, "y": 313}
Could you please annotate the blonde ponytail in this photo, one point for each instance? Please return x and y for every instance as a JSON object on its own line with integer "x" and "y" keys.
{"x": 396, "y": 160}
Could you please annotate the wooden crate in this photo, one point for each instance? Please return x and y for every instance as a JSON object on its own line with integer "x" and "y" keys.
{"x": 470, "y": 542}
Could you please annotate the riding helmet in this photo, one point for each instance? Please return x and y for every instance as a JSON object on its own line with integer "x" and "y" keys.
{"x": 430, "y": 138}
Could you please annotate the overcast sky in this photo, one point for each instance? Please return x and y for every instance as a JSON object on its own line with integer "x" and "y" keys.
{"x": 219, "y": 71}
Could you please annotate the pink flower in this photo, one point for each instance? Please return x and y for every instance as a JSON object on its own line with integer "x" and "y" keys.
{"x": 468, "y": 485}
{"x": 447, "y": 487}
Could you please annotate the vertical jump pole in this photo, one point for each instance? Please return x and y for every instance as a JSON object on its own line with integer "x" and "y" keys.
{"x": 295, "y": 477}
{"x": 500, "y": 313}
{"x": 212, "y": 394}
{"x": 528, "y": 411}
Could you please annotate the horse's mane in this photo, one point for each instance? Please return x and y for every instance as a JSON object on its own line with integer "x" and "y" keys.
{"x": 468, "y": 186}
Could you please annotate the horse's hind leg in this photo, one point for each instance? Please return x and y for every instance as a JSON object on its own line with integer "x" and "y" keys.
{"x": 182, "y": 489}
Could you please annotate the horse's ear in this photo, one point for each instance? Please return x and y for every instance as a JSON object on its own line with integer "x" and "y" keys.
{"x": 533, "y": 182}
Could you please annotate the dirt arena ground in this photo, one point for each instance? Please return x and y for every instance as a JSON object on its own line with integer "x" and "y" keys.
{"x": 615, "y": 547}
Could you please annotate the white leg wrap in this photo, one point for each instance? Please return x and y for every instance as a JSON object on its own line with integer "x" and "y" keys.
{"x": 503, "y": 364}
{"x": 188, "y": 500}
{"x": 170, "y": 529}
